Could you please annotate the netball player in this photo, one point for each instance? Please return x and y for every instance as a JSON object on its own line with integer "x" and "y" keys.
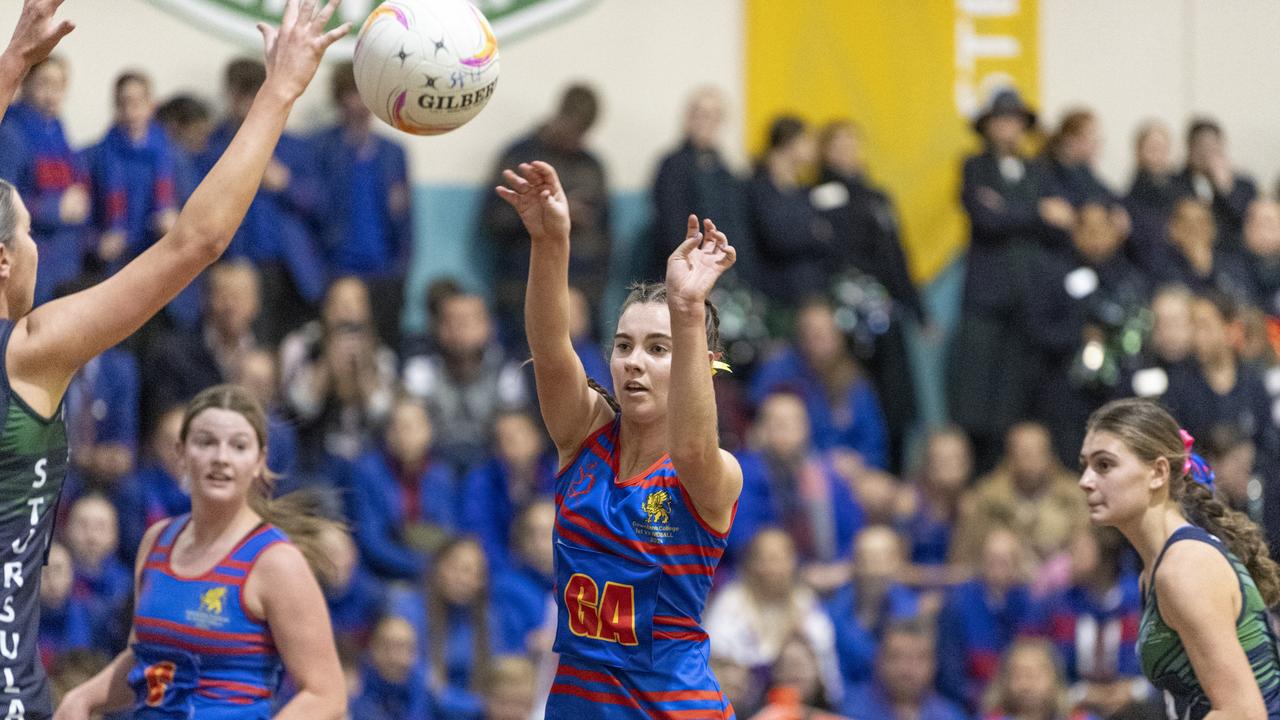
{"x": 1207, "y": 581}
{"x": 645, "y": 497}
{"x": 41, "y": 349}
{"x": 225, "y": 597}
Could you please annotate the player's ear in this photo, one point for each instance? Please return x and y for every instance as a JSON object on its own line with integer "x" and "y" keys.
{"x": 6, "y": 262}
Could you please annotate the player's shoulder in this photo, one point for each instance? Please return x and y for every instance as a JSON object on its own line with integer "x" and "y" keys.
{"x": 1191, "y": 574}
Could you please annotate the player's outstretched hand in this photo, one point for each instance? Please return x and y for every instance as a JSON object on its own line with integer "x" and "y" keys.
{"x": 293, "y": 50}
{"x": 694, "y": 267}
{"x": 536, "y": 194}
{"x": 37, "y": 32}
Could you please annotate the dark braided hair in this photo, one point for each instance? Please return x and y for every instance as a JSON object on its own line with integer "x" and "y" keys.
{"x": 1152, "y": 433}
{"x": 643, "y": 293}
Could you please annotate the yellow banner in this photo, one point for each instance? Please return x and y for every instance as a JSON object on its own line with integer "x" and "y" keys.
{"x": 911, "y": 73}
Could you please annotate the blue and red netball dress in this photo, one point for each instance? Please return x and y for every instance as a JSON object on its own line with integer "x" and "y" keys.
{"x": 633, "y": 567}
{"x": 199, "y": 652}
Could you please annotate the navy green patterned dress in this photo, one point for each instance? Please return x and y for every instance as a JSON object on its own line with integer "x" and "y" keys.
{"x": 1165, "y": 661}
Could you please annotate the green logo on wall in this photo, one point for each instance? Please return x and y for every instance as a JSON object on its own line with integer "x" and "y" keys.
{"x": 237, "y": 19}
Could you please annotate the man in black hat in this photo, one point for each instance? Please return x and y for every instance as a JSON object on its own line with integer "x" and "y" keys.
{"x": 990, "y": 372}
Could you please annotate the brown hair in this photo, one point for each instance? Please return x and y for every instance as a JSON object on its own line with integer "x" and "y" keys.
{"x": 1151, "y": 433}
{"x": 1073, "y": 123}
{"x": 643, "y": 293}
{"x": 996, "y": 698}
{"x": 438, "y": 616}
{"x": 343, "y": 80}
{"x": 132, "y": 76}
{"x": 8, "y": 212}
{"x": 301, "y": 515}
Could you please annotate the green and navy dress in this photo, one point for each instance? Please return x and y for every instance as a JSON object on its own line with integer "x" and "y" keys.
{"x": 33, "y": 461}
{"x": 1165, "y": 661}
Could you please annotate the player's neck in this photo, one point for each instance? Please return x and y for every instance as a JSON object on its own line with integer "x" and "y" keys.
{"x": 639, "y": 446}
{"x": 211, "y": 522}
{"x": 1149, "y": 533}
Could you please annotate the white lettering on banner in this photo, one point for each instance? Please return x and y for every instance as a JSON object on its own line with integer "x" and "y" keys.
{"x": 17, "y": 711}
{"x": 7, "y": 615}
{"x": 13, "y": 573}
{"x": 973, "y": 46}
{"x": 10, "y": 642}
{"x": 7, "y": 650}
{"x": 41, "y": 474}
{"x": 9, "y": 687}
{"x": 20, "y": 545}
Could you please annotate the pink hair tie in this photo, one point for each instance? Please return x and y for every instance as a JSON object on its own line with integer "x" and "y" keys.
{"x": 1187, "y": 443}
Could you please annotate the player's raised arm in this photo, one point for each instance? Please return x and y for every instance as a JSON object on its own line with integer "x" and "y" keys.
{"x": 34, "y": 37}
{"x": 50, "y": 343}
{"x": 711, "y": 476}
{"x": 570, "y": 408}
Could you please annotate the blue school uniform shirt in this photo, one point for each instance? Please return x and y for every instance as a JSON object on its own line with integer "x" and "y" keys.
{"x": 354, "y": 608}
{"x": 868, "y": 701}
{"x": 972, "y": 634}
{"x": 1097, "y": 636}
{"x": 859, "y": 425}
{"x": 455, "y": 700}
{"x": 132, "y": 182}
{"x": 68, "y": 626}
{"x": 487, "y": 508}
{"x": 378, "y": 512}
{"x": 361, "y": 233}
{"x": 857, "y": 644}
{"x": 381, "y": 699}
{"x": 521, "y": 595}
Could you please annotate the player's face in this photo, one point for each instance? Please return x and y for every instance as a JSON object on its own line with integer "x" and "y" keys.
{"x": 641, "y": 360}
{"x": 222, "y": 456}
{"x": 1118, "y": 486}
{"x": 20, "y": 287}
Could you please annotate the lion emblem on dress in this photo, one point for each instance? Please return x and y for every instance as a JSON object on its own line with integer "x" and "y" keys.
{"x": 211, "y": 600}
{"x": 657, "y": 507}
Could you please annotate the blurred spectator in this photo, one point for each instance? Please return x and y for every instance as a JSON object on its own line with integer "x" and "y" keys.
{"x": 753, "y": 617}
{"x": 510, "y": 688}
{"x": 843, "y": 408}
{"x": 466, "y": 381}
{"x": 160, "y": 478}
{"x": 188, "y": 122}
{"x": 982, "y": 617}
{"x": 1233, "y": 457}
{"x": 989, "y": 374}
{"x": 1094, "y": 624}
{"x": 788, "y": 483}
{"x": 694, "y": 178}
{"x": 74, "y": 668}
{"x": 1262, "y": 248}
{"x": 392, "y": 683}
{"x": 560, "y": 142}
{"x": 52, "y": 180}
{"x": 91, "y": 536}
{"x": 1030, "y": 686}
{"x": 1215, "y": 388}
{"x": 133, "y": 176}
{"x": 874, "y": 599}
{"x": 367, "y": 227}
{"x": 1070, "y": 158}
{"x": 257, "y": 374}
{"x": 451, "y": 618}
{"x": 1030, "y": 492}
{"x": 927, "y": 509}
{"x": 738, "y": 684}
{"x": 1210, "y": 178}
{"x": 66, "y": 621}
{"x": 1090, "y": 302}
{"x": 902, "y": 686}
{"x": 1169, "y": 342}
{"x": 586, "y": 343}
{"x": 522, "y": 591}
{"x": 1151, "y": 197}
{"x": 274, "y": 234}
{"x": 339, "y": 381}
{"x": 795, "y": 685}
{"x": 180, "y": 364}
{"x": 1201, "y": 263}
{"x": 521, "y": 470}
{"x": 353, "y": 595}
{"x": 402, "y": 497}
{"x": 796, "y": 245}
{"x": 868, "y": 240}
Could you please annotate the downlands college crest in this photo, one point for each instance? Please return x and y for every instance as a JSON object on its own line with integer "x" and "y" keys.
{"x": 656, "y": 526}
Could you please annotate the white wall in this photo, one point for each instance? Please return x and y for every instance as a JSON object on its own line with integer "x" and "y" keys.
{"x": 1168, "y": 59}
{"x": 644, "y": 56}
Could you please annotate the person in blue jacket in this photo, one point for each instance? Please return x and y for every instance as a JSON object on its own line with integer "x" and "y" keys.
{"x": 401, "y": 496}
{"x": 367, "y": 227}
{"x": 354, "y": 596}
{"x": 787, "y": 483}
{"x": 843, "y": 408}
{"x": 65, "y": 620}
{"x": 521, "y": 470}
{"x": 275, "y": 234}
{"x": 133, "y": 175}
{"x": 902, "y": 685}
{"x": 392, "y": 683}
{"x": 451, "y": 616}
{"x": 522, "y": 591}
{"x": 51, "y": 178}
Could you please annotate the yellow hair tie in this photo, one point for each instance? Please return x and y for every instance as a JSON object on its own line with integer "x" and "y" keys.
{"x": 719, "y": 366}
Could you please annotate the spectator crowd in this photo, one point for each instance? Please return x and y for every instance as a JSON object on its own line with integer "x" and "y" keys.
{"x": 876, "y": 568}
